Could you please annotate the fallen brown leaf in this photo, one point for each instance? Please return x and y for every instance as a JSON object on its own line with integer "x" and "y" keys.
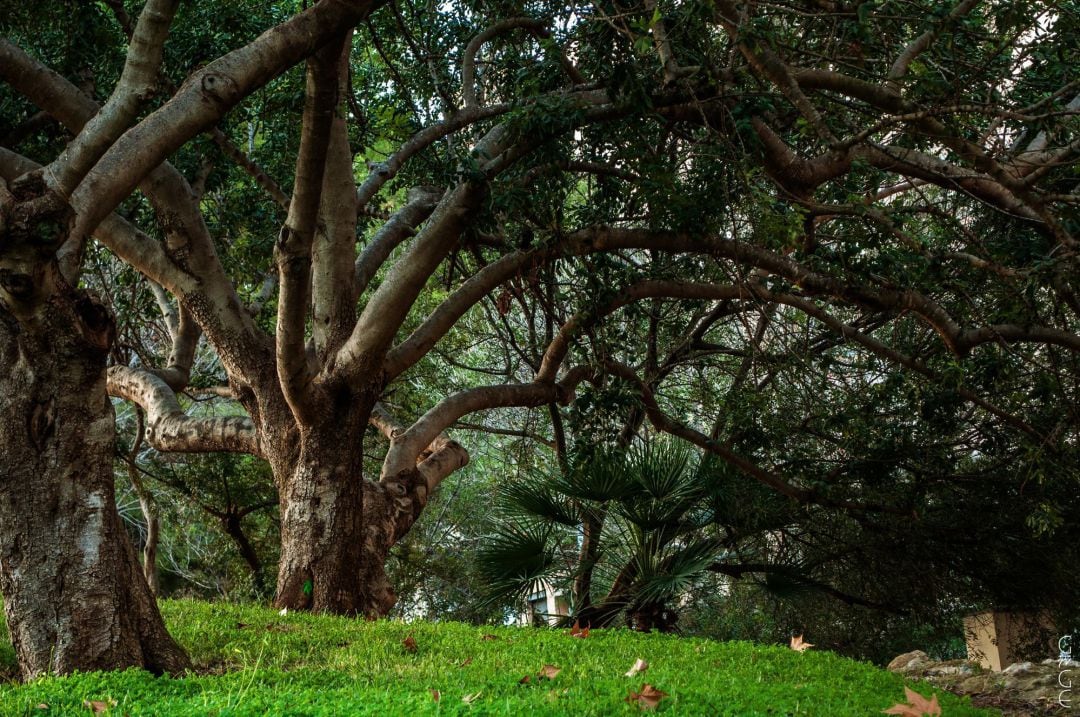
{"x": 917, "y": 705}
{"x": 525, "y": 680}
{"x": 548, "y": 672}
{"x": 639, "y": 666}
{"x": 97, "y": 706}
{"x": 798, "y": 644}
{"x": 41, "y": 706}
{"x": 578, "y": 631}
{"x": 648, "y": 699}
{"x": 435, "y": 695}
{"x": 409, "y": 644}
{"x": 468, "y": 699}
{"x": 466, "y": 663}
{"x": 488, "y": 637}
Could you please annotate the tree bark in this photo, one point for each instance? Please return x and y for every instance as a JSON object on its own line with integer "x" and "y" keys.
{"x": 329, "y": 562}
{"x": 74, "y": 593}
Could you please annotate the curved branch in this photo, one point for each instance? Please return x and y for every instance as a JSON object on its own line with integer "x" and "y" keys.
{"x": 383, "y": 172}
{"x": 208, "y": 94}
{"x": 137, "y": 81}
{"x": 185, "y": 338}
{"x": 468, "y": 58}
{"x": 440, "y": 458}
{"x": 242, "y": 345}
{"x": 919, "y": 45}
{"x": 598, "y": 239}
{"x": 406, "y": 445}
{"x": 419, "y": 205}
{"x": 169, "y": 429}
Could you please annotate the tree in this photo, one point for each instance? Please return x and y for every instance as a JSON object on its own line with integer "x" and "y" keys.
{"x": 807, "y": 161}
{"x": 652, "y": 535}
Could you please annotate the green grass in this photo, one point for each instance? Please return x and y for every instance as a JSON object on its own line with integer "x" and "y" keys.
{"x": 252, "y": 661}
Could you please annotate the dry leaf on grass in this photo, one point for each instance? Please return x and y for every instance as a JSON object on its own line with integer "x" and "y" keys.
{"x": 648, "y": 699}
{"x": 578, "y": 631}
{"x": 549, "y": 672}
{"x": 466, "y": 662}
{"x": 488, "y": 637}
{"x": 435, "y": 695}
{"x": 468, "y": 699}
{"x": 409, "y": 644}
{"x": 800, "y": 645}
{"x": 97, "y": 706}
{"x": 917, "y": 705}
{"x": 41, "y": 706}
{"x": 639, "y": 666}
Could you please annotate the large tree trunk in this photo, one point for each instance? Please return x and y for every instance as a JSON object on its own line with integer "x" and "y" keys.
{"x": 74, "y": 593}
{"x": 337, "y": 527}
{"x": 334, "y": 538}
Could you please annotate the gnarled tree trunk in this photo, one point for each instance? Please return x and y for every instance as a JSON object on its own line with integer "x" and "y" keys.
{"x": 74, "y": 593}
{"x": 321, "y": 491}
{"x": 337, "y": 527}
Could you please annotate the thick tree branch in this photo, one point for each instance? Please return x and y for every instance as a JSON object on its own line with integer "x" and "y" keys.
{"x": 185, "y": 338}
{"x": 188, "y": 251}
{"x": 169, "y": 428}
{"x": 410, "y": 443}
{"x": 137, "y": 81}
{"x": 334, "y": 249}
{"x": 293, "y": 250}
{"x": 419, "y": 205}
{"x": 208, "y": 94}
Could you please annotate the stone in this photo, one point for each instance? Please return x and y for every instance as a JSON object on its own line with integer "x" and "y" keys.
{"x": 1018, "y": 668}
{"x": 908, "y": 661}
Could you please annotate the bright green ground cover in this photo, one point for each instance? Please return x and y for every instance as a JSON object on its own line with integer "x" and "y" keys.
{"x": 253, "y": 661}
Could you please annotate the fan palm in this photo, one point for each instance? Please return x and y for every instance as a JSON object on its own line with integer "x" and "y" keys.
{"x": 638, "y": 527}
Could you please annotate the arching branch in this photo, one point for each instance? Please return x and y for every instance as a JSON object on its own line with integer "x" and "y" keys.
{"x": 169, "y": 429}
{"x": 468, "y": 57}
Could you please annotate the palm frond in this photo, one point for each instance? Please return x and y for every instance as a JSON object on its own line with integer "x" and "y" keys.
{"x": 515, "y": 556}
{"x": 537, "y": 497}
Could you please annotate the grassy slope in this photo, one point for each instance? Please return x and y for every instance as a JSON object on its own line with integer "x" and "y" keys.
{"x": 253, "y": 661}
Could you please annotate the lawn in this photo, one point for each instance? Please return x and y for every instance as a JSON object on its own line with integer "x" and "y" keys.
{"x": 253, "y": 661}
